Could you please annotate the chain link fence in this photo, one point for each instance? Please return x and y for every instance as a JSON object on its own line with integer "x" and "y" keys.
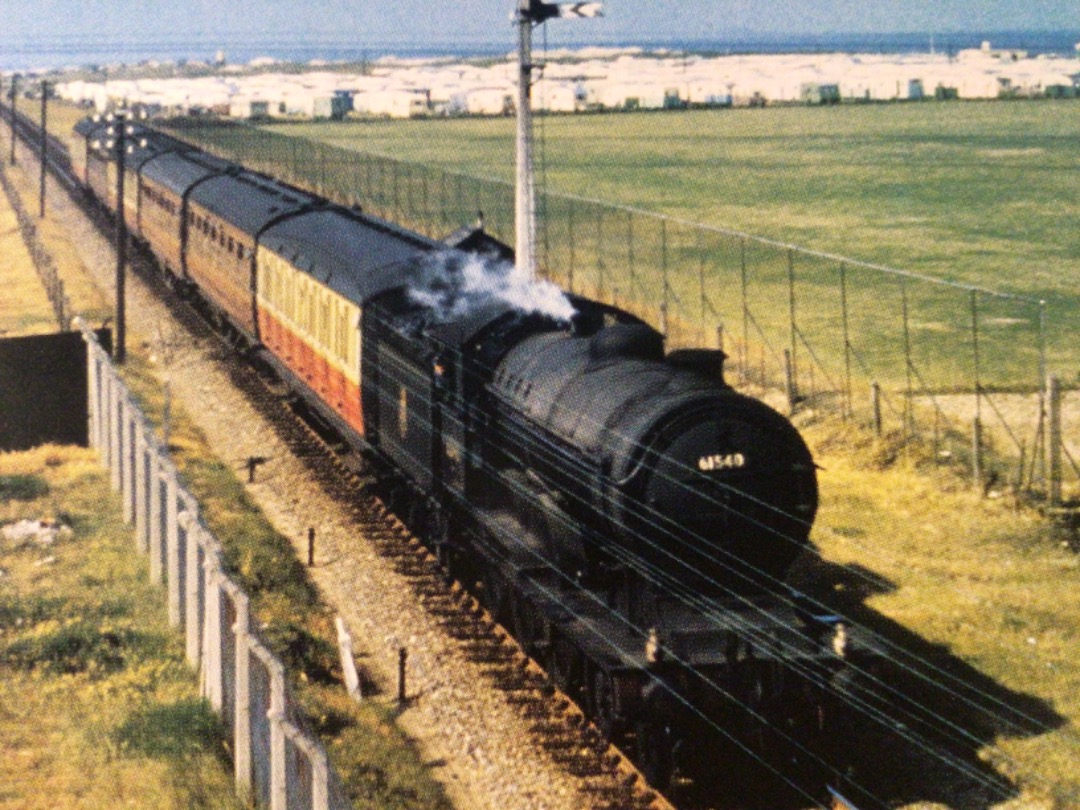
{"x": 917, "y": 358}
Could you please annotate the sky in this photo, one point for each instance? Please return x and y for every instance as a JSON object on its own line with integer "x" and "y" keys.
{"x": 217, "y": 23}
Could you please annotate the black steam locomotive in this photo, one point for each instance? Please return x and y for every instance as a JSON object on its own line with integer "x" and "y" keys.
{"x": 624, "y": 512}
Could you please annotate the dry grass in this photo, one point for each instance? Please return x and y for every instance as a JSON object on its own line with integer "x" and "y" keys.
{"x": 977, "y": 582}
{"x": 86, "y": 299}
{"x": 24, "y": 308}
{"x": 381, "y": 766}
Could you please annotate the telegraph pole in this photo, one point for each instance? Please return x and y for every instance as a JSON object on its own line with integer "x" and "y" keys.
{"x": 120, "y": 349}
{"x": 44, "y": 142}
{"x": 14, "y": 81}
{"x": 531, "y": 13}
{"x": 525, "y": 196}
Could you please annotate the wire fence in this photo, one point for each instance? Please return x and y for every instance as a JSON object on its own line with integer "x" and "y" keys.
{"x": 277, "y": 764}
{"x": 959, "y": 367}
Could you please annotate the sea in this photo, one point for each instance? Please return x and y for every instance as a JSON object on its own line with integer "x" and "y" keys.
{"x": 54, "y": 54}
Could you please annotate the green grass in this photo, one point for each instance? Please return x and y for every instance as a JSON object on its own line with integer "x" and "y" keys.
{"x": 980, "y": 194}
{"x": 973, "y": 192}
{"x": 98, "y": 708}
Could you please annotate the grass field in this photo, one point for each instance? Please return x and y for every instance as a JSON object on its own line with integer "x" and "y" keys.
{"x": 24, "y": 307}
{"x": 974, "y": 193}
{"x": 973, "y": 585}
{"x": 96, "y": 715}
{"x": 977, "y": 584}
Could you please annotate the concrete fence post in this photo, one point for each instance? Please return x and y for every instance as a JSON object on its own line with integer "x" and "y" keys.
{"x": 320, "y": 774}
{"x": 123, "y": 432}
{"x": 276, "y": 765}
{"x": 241, "y": 630}
{"x": 278, "y": 715}
{"x": 93, "y": 395}
{"x": 174, "y": 548}
{"x": 157, "y": 494}
{"x": 348, "y": 663}
{"x": 226, "y": 651}
{"x": 142, "y": 488}
{"x": 194, "y": 595}
{"x": 100, "y": 405}
{"x": 103, "y": 414}
{"x": 213, "y": 630}
{"x": 294, "y": 770}
{"x": 114, "y": 429}
{"x": 259, "y": 713}
{"x": 299, "y": 770}
{"x": 127, "y": 476}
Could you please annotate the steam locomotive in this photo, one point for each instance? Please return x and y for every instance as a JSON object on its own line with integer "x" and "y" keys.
{"x": 620, "y": 509}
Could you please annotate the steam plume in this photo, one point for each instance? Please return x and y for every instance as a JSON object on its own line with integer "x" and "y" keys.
{"x": 452, "y": 283}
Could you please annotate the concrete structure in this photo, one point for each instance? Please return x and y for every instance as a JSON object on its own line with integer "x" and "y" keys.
{"x": 556, "y": 96}
{"x": 275, "y": 764}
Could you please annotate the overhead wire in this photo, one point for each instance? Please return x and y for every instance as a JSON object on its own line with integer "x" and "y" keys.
{"x": 764, "y": 643}
{"x": 784, "y": 594}
{"x": 531, "y": 437}
{"x": 644, "y": 568}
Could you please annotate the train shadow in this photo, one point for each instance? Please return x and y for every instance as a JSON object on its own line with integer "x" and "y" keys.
{"x": 916, "y": 728}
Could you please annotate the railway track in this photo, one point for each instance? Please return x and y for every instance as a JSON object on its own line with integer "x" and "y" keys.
{"x": 607, "y": 778}
{"x": 558, "y": 724}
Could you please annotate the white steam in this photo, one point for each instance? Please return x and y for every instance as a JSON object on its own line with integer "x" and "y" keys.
{"x": 452, "y": 283}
